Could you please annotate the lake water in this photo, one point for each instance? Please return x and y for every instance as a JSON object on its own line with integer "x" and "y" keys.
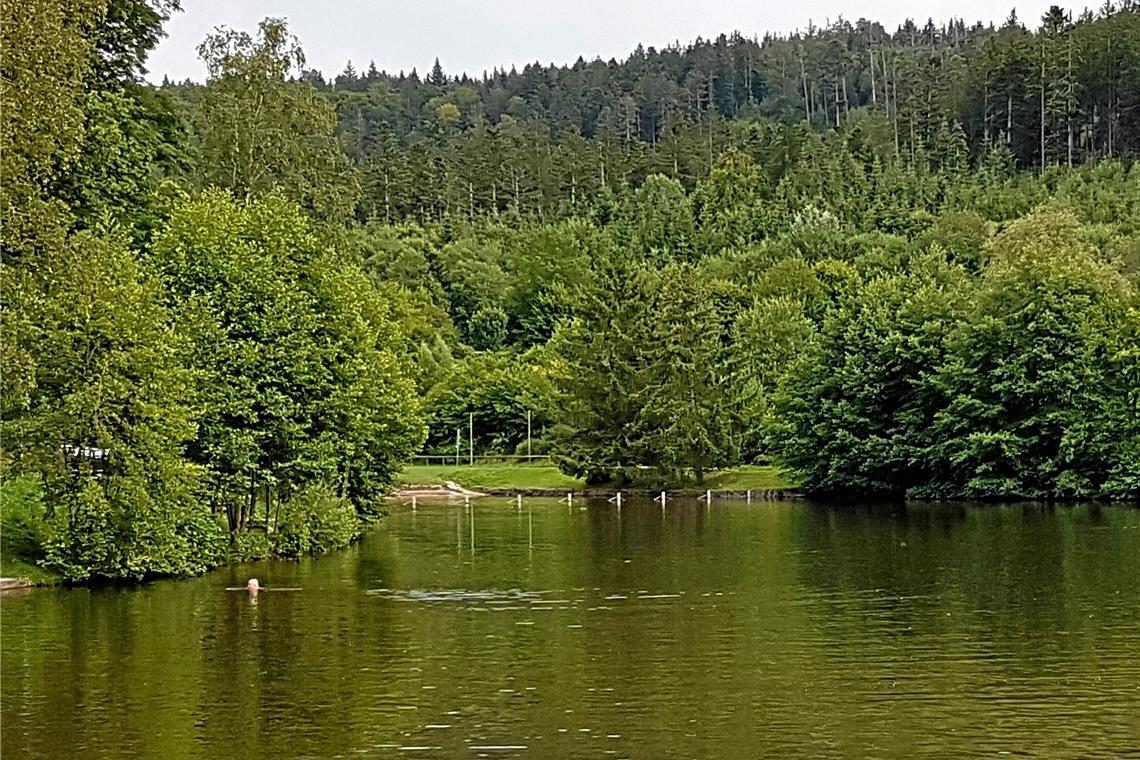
{"x": 734, "y": 631}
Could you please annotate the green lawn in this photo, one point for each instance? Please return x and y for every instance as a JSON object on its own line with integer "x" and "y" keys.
{"x": 751, "y": 477}
{"x": 489, "y": 476}
{"x": 11, "y": 567}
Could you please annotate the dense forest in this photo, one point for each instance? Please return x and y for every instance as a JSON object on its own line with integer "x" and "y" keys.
{"x": 898, "y": 264}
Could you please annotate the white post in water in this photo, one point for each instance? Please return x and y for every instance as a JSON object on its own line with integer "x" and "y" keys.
{"x": 518, "y": 502}
{"x": 413, "y": 503}
{"x": 748, "y": 497}
{"x": 570, "y": 500}
{"x": 708, "y": 497}
{"x": 467, "y": 503}
{"x": 619, "y": 499}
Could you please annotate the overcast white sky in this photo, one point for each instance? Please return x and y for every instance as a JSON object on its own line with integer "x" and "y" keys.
{"x": 474, "y": 36}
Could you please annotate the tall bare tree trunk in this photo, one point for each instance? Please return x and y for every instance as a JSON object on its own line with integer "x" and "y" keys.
{"x": 835, "y": 93}
{"x": 1069, "y": 102}
{"x": 893, "y": 89}
{"x": 1043, "y": 102}
{"x": 874, "y": 95}
{"x": 986, "y": 112}
{"x": 803, "y": 78}
{"x": 1009, "y": 119}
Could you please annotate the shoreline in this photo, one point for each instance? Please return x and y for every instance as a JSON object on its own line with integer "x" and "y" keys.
{"x": 441, "y": 492}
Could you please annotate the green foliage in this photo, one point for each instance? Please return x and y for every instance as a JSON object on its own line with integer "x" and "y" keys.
{"x": 499, "y": 391}
{"x": 544, "y": 264}
{"x": 305, "y": 381}
{"x": 1033, "y": 383}
{"x": 853, "y": 413}
{"x": 766, "y": 339}
{"x": 108, "y": 374}
{"x": 48, "y": 58}
{"x": 259, "y": 130}
{"x": 962, "y": 234}
{"x": 731, "y": 204}
{"x": 643, "y": 379}
{"x": 314, "y": 521}
{"x": 658, "y": 221}
{"x": 932, "y": 383}
{"x": 23, "y": 529}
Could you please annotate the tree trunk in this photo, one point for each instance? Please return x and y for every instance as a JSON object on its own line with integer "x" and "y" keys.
{"x": 803, "y": 77}
{"x": 1069, "y": 103}
{"x": 1042, "y": 102}
{"x": 1009, "y": 119}
{"x": 986, "y": 112}
{"x": 874, "y": 96}
{"x": 893, "y": 89}
{"x": 835, "y": 93}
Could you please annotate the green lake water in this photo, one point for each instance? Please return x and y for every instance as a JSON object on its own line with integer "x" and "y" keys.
{"x": 730, "y": 631}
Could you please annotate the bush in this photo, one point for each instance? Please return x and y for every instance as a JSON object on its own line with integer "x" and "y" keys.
{"x": 131, "y": 527}
{"x": 314, "y": 521}
{"x": 248, "y": 545}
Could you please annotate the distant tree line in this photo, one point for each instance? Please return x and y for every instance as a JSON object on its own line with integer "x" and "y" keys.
{"x": 547, "y": 139}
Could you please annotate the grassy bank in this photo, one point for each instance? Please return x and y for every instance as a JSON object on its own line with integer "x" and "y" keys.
{"x": 752, "y": 477}
{"x": 22, "y": 530}
{"x": 14, "y": 567}
{"x": 489, "y": 476}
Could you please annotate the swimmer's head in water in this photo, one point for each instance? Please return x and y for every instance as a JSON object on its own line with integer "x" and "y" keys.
{"x": 253, "y": 584}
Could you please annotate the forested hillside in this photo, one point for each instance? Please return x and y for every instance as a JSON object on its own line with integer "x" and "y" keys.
{"x": 545, "y": 139}
{"x": 899, "y": 263}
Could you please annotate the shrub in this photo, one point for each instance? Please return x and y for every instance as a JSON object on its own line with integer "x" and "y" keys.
{"x": 314, "y": 521}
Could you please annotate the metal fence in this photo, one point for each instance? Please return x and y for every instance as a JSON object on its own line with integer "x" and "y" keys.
{"x": 451, "y": 459}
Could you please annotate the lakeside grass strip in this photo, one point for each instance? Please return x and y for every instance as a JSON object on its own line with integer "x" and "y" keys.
{"x": 523, "y": 476}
